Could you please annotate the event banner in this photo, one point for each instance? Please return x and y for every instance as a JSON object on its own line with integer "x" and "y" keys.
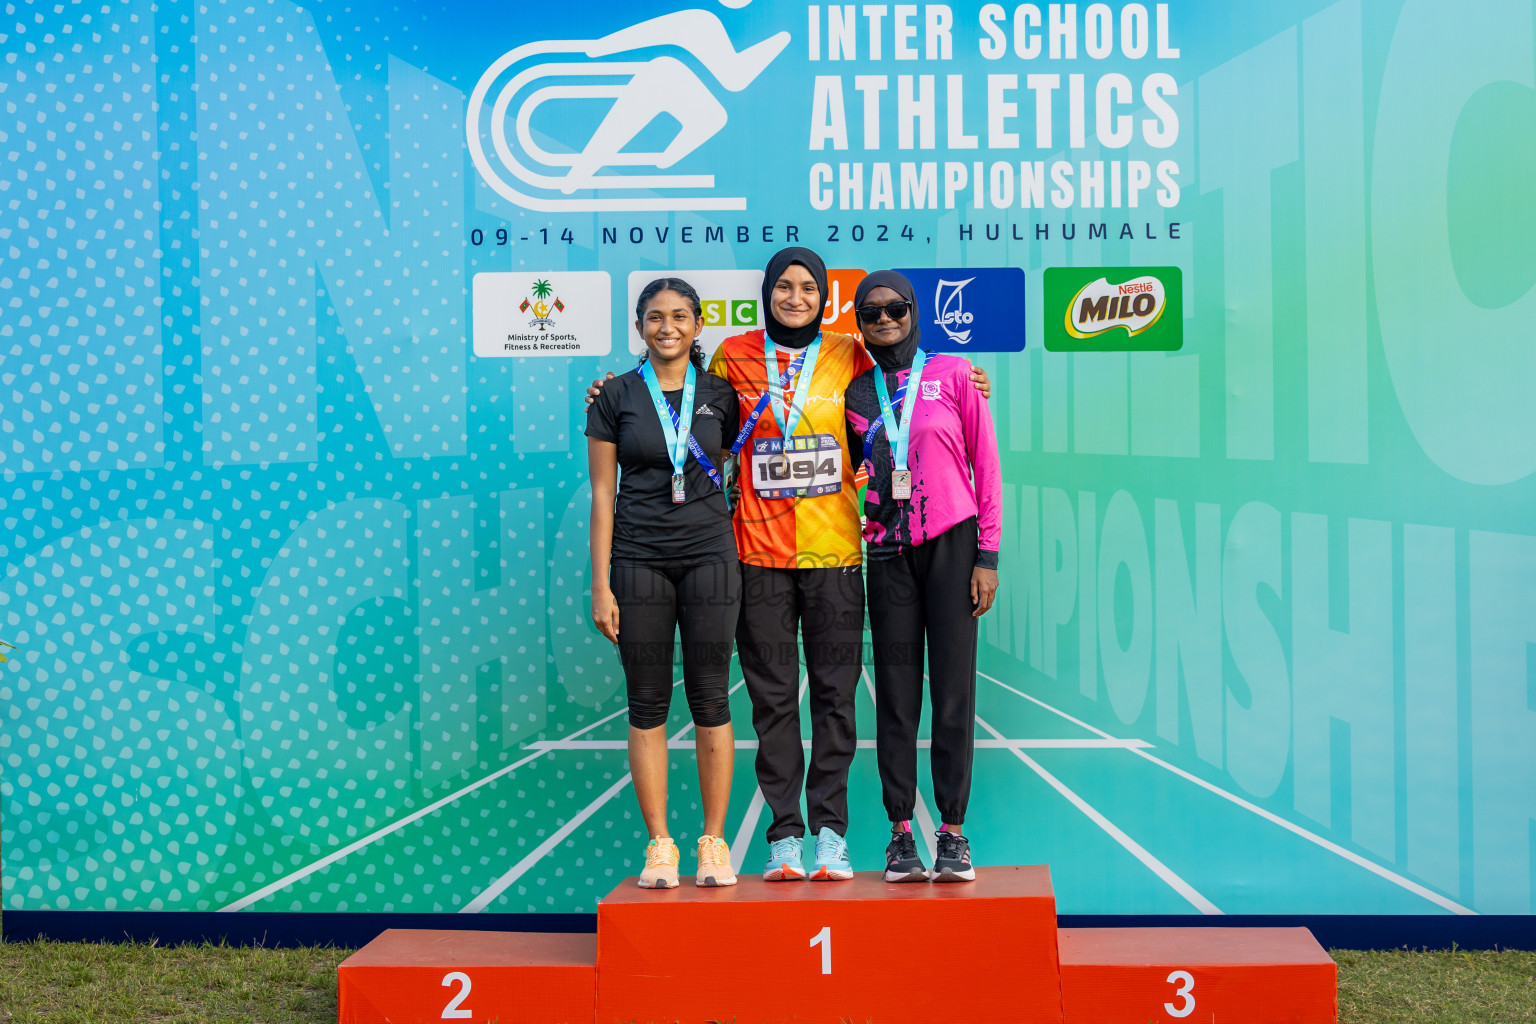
{"x": 298, "y": 303}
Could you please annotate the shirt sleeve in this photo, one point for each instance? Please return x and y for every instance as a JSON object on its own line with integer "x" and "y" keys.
{"x": 857, "y": 418}
{"x": 862, "y": 363}
{"x": 602, "y": 414}
{"x": 731, "y": 425}
{"x": 986, "y": 470}
{"x": 718, "y": 364}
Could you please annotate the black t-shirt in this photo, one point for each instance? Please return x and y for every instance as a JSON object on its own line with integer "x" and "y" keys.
{"x": 649, "y": 528}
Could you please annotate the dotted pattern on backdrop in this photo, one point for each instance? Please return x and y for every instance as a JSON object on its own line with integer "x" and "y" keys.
{"x": 79, "y": 235}
{"x": 254, "y": 623}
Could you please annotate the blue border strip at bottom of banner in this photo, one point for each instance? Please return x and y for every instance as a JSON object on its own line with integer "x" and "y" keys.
{"x": 276, "y": 929}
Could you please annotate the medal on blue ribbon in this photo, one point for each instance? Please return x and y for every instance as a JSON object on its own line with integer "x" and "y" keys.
{"x": 898, "y": 431}
{"x": 789, "y": 419}
{"x": 673, "y": 425}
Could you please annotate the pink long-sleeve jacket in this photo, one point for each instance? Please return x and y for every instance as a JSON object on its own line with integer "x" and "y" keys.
{"x": 951, "y": 451}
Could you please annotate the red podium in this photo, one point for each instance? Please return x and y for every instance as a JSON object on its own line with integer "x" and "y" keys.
{"x": 828, "y": 952}
{"x": 813, "y": 952}
{"x": 1252, "y": 975}
{"x": 408, "y": 975}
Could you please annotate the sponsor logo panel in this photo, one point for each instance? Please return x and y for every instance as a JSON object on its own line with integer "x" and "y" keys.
{"x": 970, "y": 309}
{"x": 838, "y": 315}
{"x": 1114, "y": 309}
{"x": 553, "y": 313}
{"x": 732, "y": 302}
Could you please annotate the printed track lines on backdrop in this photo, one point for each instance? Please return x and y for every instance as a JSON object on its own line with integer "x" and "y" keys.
{"x": 414, "y": 816}
{"x": 746, "y": 832}
{"x": 1140, "y": 750}
{"x": 496, "y": 888}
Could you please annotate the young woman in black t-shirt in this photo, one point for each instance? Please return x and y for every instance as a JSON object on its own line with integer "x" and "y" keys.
{"x": 664, "y": 559}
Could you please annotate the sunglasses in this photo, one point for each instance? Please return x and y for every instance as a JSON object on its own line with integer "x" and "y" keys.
{"x": 894, "y": 310}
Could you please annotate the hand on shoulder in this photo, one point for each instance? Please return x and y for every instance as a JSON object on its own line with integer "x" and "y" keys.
{"x": 596, "y": 388}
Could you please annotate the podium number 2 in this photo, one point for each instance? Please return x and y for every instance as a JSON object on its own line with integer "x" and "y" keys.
{"x": 1186, "y": 983}
{"x": 823, "y": 939}
{"x": 452, "y": 1011}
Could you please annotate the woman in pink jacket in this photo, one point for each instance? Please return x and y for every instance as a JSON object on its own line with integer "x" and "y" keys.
{"x": 931, "y": 539}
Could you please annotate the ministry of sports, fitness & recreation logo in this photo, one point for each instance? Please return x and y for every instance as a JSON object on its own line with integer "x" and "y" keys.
{"x": 543, "y": 173}
{"x": 542, "y": 304}
{"x": 523, "y": 314}
{"x": 1113, "y": 309}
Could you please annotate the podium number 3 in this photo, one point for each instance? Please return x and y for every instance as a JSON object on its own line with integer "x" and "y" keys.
{"x": 823, "y": 939}
{"x": 1186, "y": 983}
{"x": 452, "y": 1011}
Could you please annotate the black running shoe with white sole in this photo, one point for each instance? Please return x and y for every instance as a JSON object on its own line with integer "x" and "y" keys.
{"x": 953, "y": 862}
{"x": 902, "y": 864}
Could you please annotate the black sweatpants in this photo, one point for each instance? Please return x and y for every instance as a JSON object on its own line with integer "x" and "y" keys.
{"x": 826, "y": 607}
{"x": 925, "y": 592}
{"x": 654, "y": 602}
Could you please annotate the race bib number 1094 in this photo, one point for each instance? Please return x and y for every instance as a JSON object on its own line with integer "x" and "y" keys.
{"x": 809, "y": 465}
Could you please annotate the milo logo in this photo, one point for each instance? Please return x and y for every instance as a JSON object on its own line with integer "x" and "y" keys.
{"x": 1111, "y": 309}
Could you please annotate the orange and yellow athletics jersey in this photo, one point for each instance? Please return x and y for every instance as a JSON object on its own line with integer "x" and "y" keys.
{"x": 804, "y": 532}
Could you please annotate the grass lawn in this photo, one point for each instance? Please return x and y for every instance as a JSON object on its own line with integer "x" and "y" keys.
{"x": 62, "y": 982}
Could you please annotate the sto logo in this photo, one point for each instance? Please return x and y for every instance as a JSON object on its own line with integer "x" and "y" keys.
{"x": 638, "y": 92}
{"x": 948, "y": 300}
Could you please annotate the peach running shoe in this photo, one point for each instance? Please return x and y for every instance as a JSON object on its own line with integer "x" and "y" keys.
{"x": 661, "y": 857}
{"x": 715, "y": 862}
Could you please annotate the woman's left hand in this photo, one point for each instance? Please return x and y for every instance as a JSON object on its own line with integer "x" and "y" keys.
{"x": 982, "y": 381}
{"x": 983, "y": 590}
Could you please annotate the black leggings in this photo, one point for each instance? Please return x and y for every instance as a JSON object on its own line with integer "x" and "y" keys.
{"x": 654, "y": 601}
{"x": 924, "y": 594}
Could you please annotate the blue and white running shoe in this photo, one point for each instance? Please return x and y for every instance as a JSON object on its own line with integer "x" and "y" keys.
{"x": 784, "y": 863}
{"x": 831, "y": 858}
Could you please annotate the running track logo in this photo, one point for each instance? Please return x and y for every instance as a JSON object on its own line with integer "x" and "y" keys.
{"x": 639, "y": 91}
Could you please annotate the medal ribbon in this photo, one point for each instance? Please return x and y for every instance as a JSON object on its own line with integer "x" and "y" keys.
{"x": 680, "y": 439}
{"x": 784, "y": 381}
{"x": 897, "y": 430}
{"x": 801, "y": 384}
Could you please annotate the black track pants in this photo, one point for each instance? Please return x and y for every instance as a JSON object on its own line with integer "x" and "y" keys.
{"x": 826, "y": 607}
{"x": 654, "y": 603}
{"x": 925, "y": 592}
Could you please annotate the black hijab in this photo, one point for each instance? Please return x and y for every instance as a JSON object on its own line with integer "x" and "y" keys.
{"x": 898, "y": 356}
{"x": 792, "y": 337}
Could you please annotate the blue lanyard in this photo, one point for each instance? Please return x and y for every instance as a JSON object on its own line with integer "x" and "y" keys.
{"x": 767, "y": 395}
{"x": 680, "y": 439}
{"x": 898, "y": 430}
{"x": 793, "y": 411}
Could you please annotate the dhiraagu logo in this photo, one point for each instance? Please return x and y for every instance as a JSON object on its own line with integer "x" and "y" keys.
{"x": 1114, "y": 309}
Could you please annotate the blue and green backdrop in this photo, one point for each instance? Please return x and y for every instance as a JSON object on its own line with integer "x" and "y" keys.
{"x": 298, "y": 582}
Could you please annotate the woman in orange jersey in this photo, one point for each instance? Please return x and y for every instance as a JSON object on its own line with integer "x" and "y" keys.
{"x": 797, "y": 534}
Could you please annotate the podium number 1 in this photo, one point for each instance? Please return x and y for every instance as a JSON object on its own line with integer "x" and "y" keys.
{"x": 452, "y": 1011}
{"x": 1186, "y": 983}
{"x": 824, "y": 940}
